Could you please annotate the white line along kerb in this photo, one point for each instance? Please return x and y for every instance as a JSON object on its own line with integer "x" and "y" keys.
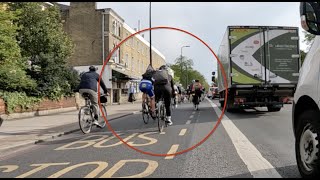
{"x": 258, "y": 166}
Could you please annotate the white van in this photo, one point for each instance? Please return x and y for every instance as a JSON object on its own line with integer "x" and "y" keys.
{"x": 306, "y": 105}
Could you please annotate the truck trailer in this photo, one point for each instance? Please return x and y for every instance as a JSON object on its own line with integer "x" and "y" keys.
{"x": 261, "y": 64}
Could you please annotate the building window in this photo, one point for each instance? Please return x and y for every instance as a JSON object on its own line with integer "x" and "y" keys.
{"x": 114, "y": 27}
{"x": 126, "y": 60}
{"x": 119, "y": 30}
{"x": 127, "y": 42}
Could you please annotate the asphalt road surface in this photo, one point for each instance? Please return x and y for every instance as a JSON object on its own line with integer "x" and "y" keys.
{"x": 251, "y": 143}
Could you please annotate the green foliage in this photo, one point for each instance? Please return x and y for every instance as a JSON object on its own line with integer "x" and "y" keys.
{"x": 18, "y": 99}
{"x": 308, "y": 39}
{"x": 12, "y": 67}
{"x": 44, "y": 43}
{"x": 185, "y": 65}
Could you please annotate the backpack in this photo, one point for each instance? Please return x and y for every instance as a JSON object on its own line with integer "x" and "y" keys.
{"x": 161, "y": 77}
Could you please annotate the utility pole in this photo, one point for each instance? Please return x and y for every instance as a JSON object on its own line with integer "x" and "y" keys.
{"x": 150, "y": 34}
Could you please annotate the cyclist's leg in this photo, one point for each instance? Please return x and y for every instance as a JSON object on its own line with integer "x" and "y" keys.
{"x": 167, "y": 102}
{"x": 94, "y": 100}
{"x": 151, "y": 94}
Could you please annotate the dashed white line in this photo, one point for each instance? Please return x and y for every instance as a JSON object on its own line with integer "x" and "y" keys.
{"x": 258, "y": 166}
{"x": 172, "y": 150}
{"x": 193, "y": 112}
{"x": 191, "y": 116}
{"x": 182, "y": 132}
{"x": 163, "y": 133}
{"x": 188, "y": 122}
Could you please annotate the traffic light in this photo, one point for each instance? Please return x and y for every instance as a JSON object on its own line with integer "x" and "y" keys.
{"x": 213, "y": 79}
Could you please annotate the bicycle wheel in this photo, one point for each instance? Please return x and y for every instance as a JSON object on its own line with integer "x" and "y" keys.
{"x": 101, "y": 121}
{"x": 85, "y": 119}
{"x": 145, "y": 113}
{"x": 161, "y": 117}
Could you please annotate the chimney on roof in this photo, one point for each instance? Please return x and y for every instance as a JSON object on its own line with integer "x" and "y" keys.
{"x": 139, "y": 25}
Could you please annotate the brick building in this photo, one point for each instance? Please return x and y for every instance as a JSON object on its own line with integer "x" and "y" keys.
{"x": 95, "y": 33}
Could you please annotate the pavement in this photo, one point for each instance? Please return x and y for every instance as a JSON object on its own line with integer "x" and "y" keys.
{"x": 247, "y": 144}
{"x": 24, "y": 131}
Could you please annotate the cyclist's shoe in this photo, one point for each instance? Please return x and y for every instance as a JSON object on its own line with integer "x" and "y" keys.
{"x": 169, "y": 120}
{"x": 95, "y": 122}
{"x": 176, "y": 105}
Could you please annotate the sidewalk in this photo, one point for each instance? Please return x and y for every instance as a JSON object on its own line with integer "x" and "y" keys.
{"x": 20, "y": 132}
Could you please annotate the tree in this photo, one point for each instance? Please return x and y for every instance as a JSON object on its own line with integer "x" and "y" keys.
{"x": 46, "y": 46}
{"x": 303, "y": 56}
{"x": 12, "y": 67}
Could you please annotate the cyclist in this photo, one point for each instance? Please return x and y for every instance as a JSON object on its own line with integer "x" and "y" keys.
{"x": 174, "y": 96}
{"x": 88, "y": 84}
{"x": 163, "y": 86}
{"x": 197, "y": 90}
{"x": 146, "y": 86}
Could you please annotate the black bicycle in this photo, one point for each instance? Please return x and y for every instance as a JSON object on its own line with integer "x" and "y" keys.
{"x": 161, "y": 115}
{"x": 86, "y": 114}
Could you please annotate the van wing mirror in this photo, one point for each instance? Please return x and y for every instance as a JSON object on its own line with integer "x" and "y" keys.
{"x": 310, "y": 17}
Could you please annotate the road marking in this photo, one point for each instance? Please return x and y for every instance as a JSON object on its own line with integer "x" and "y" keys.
{"x": 193, "y": 112}
{"x": 143, "y": 136}
{"x": 152, "y": 166}
{"x": 41, "y": 166}
{"x": 172, "y": 150}
{"x": 182, "y": 132}
{"x": 188, "y": 122}
{"x": 9, "y": 168}
{"x": 258, "y": 166}
{"x": 101, "y": 166}
{"x": 191, "y": 116}
{"x": 163, "y": 132}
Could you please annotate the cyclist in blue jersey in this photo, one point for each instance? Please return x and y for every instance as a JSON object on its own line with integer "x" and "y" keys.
{"x": 146, "y": 86}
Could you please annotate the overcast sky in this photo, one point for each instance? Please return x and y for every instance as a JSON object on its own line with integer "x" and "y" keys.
{"x": 207, "y": 20}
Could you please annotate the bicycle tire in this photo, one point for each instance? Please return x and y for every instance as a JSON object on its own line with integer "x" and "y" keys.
{"x": 102, "y": 123}
{"x": 145, "y": 113}
{"x": 80, "y": 118}
{"x": 161, "y": 117}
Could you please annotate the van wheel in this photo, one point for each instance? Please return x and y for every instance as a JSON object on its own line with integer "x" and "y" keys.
{"x": 307, "y": 144}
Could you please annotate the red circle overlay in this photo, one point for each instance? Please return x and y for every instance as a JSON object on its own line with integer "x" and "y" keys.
{"x": 225, "y": 84}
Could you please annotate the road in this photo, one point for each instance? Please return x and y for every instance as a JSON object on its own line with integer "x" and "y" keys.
{"x": 246, "y": 144}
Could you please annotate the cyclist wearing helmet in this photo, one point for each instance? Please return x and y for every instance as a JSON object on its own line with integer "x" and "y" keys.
{"x": 163, "y": 87}
{"x": 89, "y": 85}
{"x": 146, "y": 86}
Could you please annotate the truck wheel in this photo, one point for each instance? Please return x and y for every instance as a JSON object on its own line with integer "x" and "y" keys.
{"x": 307, "y": 144}
{"x": 273, "y": 109}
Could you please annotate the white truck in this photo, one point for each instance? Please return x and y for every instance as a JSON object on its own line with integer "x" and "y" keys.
{"x": 261, "y": 64}
{"x": 306, "y": 104}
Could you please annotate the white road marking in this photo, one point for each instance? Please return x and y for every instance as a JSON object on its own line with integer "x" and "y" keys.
{"x": 191, "y": 116}
{"x": 258, "y": 166}
{"x": 188, "y": 122}
{"x": 182, "y": 132}
{"x": 163, "y": 133}
{"x": 172, "y": 150}
{"x": 193, "y": 112}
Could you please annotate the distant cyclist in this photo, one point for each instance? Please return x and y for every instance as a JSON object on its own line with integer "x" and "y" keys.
{"x": 88, "y": 84}
{"x": 197, "y": 90}
{"x": 163, "y": 87}
{"x": 146, "y": 86}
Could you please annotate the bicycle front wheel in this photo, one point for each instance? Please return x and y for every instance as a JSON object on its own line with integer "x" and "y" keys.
{"x": 85, "y": 119}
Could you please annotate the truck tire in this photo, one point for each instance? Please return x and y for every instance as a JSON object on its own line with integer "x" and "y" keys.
{"x": 273, "y": 109}
{"x": 307, "y": 144}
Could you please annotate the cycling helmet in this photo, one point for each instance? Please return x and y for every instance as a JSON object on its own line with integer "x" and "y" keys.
{"x": 92, "y": 68}
{"x": 163, "y": 67}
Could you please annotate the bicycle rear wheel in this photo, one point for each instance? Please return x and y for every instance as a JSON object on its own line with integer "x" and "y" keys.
{"x": 85, "y": 119}
{"x": 101, "y": 121}
{"x": 161, "y": 116}
{"x": 145, "y": 113}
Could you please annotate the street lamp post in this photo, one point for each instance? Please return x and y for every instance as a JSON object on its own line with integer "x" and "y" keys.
{"x": 181, "y": 63}
{"x": 150, "y": 34}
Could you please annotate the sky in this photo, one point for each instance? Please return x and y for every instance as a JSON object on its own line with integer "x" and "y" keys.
{"x": 207, "y": 20}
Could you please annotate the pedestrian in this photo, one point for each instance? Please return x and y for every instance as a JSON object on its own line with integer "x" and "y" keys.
{"x": 131, "y": 93}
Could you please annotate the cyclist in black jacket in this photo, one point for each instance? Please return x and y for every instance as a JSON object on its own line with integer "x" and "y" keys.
{"x": 89, "y": 84}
